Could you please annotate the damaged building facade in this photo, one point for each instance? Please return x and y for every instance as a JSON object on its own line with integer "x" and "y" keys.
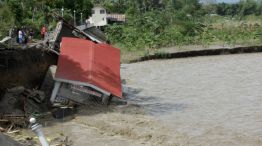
{"x": 75, "y": 68}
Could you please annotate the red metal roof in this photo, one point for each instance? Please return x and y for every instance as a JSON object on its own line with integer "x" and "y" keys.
{"x": 87, "y": 62}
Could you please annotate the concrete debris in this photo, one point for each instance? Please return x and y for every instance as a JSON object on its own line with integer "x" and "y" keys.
{"x": 19, "y": 103}
{"x": 48, "y": 83}
{"x": 7, "y": 141}
{"x": 2, "y": 129}
{"x": 63, "y": 112}
{"x": 11, "y": 103}
{"x": 36, "y": 95}
{"x": 10, "y": 121}
{"x": 5, "y": 39}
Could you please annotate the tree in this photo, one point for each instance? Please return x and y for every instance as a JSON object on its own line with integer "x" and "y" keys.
{"x": 6, "y": 20}
{"x": 247, "y": 7}
{"x": 259, "y": 8}
{"x": 54, "y": 3}
{"x": 17, "y": 10}
{"x": 83, "y": 6}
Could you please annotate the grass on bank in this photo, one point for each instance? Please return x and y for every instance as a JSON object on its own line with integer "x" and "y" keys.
{"x": 215, "y": 32}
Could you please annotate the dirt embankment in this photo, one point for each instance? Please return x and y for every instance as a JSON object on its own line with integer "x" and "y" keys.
{"x": 195, "y": 53}
{"x": 26, "y": 68}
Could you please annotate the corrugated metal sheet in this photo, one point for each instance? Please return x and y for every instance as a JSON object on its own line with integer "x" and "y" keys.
{"x": 87, "y": 62}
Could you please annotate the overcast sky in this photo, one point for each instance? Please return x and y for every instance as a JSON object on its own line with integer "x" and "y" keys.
{"x": 227, "y": 1}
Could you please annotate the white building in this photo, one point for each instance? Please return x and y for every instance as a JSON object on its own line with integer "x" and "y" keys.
{"x": 98, "y": 17}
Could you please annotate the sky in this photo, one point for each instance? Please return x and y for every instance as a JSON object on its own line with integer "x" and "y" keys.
{"x": 227, "y": 1}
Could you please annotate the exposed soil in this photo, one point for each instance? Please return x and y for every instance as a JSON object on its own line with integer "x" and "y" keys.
{"x": 26, "y": 68}
{"x": 169, "y": 53}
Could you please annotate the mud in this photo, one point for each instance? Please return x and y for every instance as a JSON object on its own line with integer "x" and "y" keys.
{"x": 114, "y": 126}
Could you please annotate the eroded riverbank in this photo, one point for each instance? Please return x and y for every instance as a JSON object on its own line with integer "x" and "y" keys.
{"x": 214, "y": 100}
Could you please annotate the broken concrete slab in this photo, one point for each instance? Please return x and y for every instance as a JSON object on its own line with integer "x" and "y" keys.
{"x": 19, "y": 103}
{"x": 7, "y": 141}
{"x": 48, "y": 83}
{"x": 12, "y": 101}
{"x": 4, "y": 40}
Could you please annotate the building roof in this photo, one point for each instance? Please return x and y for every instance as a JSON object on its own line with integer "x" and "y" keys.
{"x": 88, "y": 63}
{"x": 116, "y": 17}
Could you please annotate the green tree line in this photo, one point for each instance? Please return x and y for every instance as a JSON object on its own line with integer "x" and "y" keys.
{"x": 161, "y": 23}
{"x": 150, "y": 23}
{"x": 36, "y": 13}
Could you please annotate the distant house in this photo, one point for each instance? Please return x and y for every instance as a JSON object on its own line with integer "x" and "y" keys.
{"x": 116, "y": 18}
{"x": 98, "y": 17}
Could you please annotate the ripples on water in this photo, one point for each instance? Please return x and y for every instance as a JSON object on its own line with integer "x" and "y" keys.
{"x": 213, "y": 100}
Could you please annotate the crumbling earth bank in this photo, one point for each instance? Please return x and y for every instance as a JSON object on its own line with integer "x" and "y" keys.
{"x": 22, "y": 72}
{"x": 24, "y": 67}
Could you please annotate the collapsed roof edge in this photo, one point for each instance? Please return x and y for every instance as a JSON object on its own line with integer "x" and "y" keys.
{"x": 64, "y": 29}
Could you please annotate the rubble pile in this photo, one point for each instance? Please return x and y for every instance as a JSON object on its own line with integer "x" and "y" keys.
{"x": 18, "y": 104}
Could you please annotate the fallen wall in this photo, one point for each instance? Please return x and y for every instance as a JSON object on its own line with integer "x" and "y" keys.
{"x": 208, "y": 52}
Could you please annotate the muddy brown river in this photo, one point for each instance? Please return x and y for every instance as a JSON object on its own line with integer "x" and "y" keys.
{"x": 213, "y": 100}
{"x": 207, "y": 101}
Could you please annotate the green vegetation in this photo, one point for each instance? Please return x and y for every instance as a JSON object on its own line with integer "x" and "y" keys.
{"x": 150, "y": 24}
{"x": 232, "y": 30}
{"x": 6, "y": 20}
{"x": 36, "y": 13}
{"x": 154, "y": 24}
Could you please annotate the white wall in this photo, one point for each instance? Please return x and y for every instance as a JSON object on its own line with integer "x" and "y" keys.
{"x": 98, "y": 18}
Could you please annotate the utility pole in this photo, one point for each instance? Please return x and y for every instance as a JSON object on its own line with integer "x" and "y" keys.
{"x": 62, "y": 10}
{"x": 81, "y": 18}
{"x": 33, "y": 15}
{"x": 74, "y": 17}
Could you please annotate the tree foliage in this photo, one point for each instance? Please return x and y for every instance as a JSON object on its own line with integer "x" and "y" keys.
{"x": 38, "y": 12}
{"x": 155, "y": 23}
{"x": 158, "y": 24}
{"x": 243, "y": 8}
{"x": 150, "y": 23}
{"x": 7, "y": 20}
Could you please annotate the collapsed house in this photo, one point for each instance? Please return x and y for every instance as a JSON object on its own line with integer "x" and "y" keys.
{"x": 64, "y": 29}
{"x": 87, "y": 69}
{"x": 67, "y": 69}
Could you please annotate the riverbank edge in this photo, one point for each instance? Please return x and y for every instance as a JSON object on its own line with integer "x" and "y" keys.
{"x": 196, "y": 53}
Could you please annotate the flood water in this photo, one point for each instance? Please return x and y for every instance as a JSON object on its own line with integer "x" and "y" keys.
{"x": 201, "y": 101}
{"x": 214, "y": 100}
